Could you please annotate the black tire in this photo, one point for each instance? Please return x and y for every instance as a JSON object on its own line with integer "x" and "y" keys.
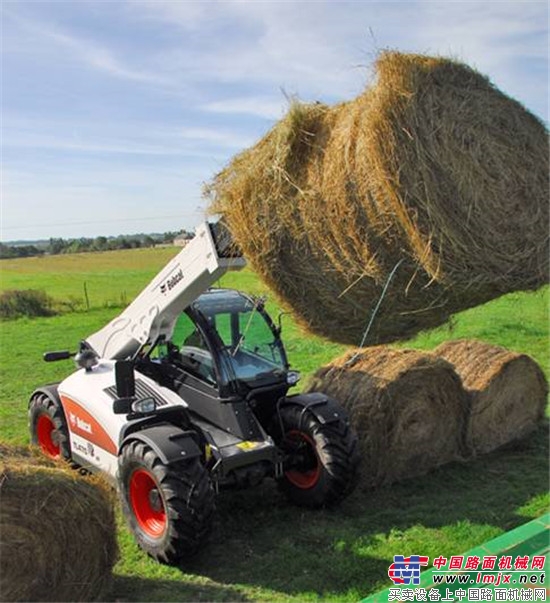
{"x": 322, "y": 460}
{"x": 169, "y": 508}
{"x": 48, "y": 426}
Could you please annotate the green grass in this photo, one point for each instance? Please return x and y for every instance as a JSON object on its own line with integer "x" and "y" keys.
{"x": 263, "y": 549}
{"x": 518, "y": 321}
{"x": 111, "y": 277}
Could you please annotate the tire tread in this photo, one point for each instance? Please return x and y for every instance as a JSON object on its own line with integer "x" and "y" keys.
{"x": 189, "y": 497}
{"x": 338, "y": 452}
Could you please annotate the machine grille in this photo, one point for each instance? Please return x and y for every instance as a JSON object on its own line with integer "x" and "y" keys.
{"x": 143, "y": 390}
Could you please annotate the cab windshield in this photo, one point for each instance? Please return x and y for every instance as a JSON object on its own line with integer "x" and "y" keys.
{"x": 251, "y": 350}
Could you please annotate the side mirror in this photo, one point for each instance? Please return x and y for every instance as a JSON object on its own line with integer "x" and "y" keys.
{"x": 279, "y": 326}
{"x": 125, "y": 379}
{"x": 292, "y": 377}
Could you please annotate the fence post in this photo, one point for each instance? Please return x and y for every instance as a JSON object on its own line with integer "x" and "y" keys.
{"x": 86, "y": 296}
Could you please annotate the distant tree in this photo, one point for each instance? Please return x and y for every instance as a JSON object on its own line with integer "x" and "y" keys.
{"x": 6, "y": 252}
{"x": 57, "y": 246}
{"x": 19, "y": 251}
{"x": 100, "y": 244}
{"x": 168, "y": 237}
{"x": 27, "y": 251}
{"x": 79, "y": 245}
{"x": 72, "y": 247}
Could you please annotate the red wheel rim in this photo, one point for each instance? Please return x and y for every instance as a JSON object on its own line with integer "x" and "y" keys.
{"x": 45, "y": 428}
{"x": 147, "y": 504}
{"x": 309, "y": 477}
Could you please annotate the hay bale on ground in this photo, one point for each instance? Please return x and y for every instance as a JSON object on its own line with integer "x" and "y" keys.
{"x": 508, "y": 392}
{"x": 408, "y": 408}
{"x": 432, "y": 166}
{"x": 57, "y": 531}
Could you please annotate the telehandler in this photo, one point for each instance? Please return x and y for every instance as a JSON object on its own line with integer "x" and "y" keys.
{"x": 186, "y": 393}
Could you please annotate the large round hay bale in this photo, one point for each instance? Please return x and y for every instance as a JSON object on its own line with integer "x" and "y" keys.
{"x": 57, "y": 531}
{"x": 408, "y": 408}
{"x": 432, "y": 167}
{"x": 508, "y": 392}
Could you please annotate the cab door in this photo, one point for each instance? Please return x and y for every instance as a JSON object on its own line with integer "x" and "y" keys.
{"x": 201, "y": 379}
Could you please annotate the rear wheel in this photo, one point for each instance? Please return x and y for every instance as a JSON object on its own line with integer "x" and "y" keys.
{"x": 169, "y": 507}
{"x": 48, "y": 426}
{"x": 321, "y": 460}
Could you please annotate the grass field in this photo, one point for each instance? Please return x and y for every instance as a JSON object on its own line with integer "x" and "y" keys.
{"x": 110, "y": 277}
{"x": 264, "y": 549}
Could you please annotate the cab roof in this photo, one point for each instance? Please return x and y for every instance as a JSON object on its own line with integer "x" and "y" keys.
{"x": 219, "y": 301}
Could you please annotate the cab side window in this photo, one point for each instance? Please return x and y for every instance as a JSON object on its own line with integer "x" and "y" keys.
{"x": 187, "y": 333}
{"x": 194, "y": 354}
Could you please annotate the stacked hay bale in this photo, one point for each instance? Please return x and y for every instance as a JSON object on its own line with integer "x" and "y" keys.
{"x": 508, "y": 392}
{"x": 432, "y": 167}
{"x": 408, "y": 408}
{"x": 57, "y": 531}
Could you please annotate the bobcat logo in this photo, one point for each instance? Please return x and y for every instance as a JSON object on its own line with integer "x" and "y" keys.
{"x": 79, "y": 423}
{"x": 169, "y": 284}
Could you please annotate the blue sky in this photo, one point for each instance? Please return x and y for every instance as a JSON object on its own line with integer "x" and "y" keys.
{"x": 115, "y": 113}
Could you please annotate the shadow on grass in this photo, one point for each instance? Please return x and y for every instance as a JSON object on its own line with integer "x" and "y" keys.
{"x": 264, "y": 548}
{"x": 132, "y": 588}
{"x": 263, "y": 541}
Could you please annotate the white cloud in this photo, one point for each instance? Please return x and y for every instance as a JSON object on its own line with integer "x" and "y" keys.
{"x": 189, "y": 15}
{"x": 317, "y": 50}
{"x": 487, "y": 34}
{"x": 131, "y": 138}
{"x": 89, "y": 52}
{"x": 41, "y": 141}
{"x": 294, "y": 46}
{"x": 260, "y": 106}
{"x": 127, "y": 105}
{"x": 325, "y": 49}
{"x": 218, "y": 137}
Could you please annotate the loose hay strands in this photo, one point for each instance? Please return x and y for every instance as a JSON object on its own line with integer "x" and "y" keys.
{"x": 508, "y": 392}
{"x": 408, "y": 408}
{"x": 57, "y": 531}
{"x": 432, "y": 166}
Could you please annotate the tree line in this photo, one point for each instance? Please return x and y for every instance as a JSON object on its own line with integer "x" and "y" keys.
{"x": 57, "y": 246}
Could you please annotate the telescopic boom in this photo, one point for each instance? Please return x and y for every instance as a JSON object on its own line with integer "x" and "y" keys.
{"x": 205, "y": 259}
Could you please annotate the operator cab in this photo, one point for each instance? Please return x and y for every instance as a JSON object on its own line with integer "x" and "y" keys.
{"x": 226, "y": 339}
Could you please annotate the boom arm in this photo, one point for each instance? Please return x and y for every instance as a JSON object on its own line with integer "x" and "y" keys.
{"x": 198, "y": 265}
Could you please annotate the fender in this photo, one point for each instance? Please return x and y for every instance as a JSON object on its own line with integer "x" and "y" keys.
{"x": 175, "y": 415}
{"x": 324, "y": 408}
{"x": 50, "y": 391}
{"x": 170, "y": 443}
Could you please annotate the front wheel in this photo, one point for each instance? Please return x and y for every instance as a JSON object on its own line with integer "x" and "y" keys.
{"x": 169, "y": 508}
{"x": 321, "y": 460}
{"x": 48, "y": 426}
